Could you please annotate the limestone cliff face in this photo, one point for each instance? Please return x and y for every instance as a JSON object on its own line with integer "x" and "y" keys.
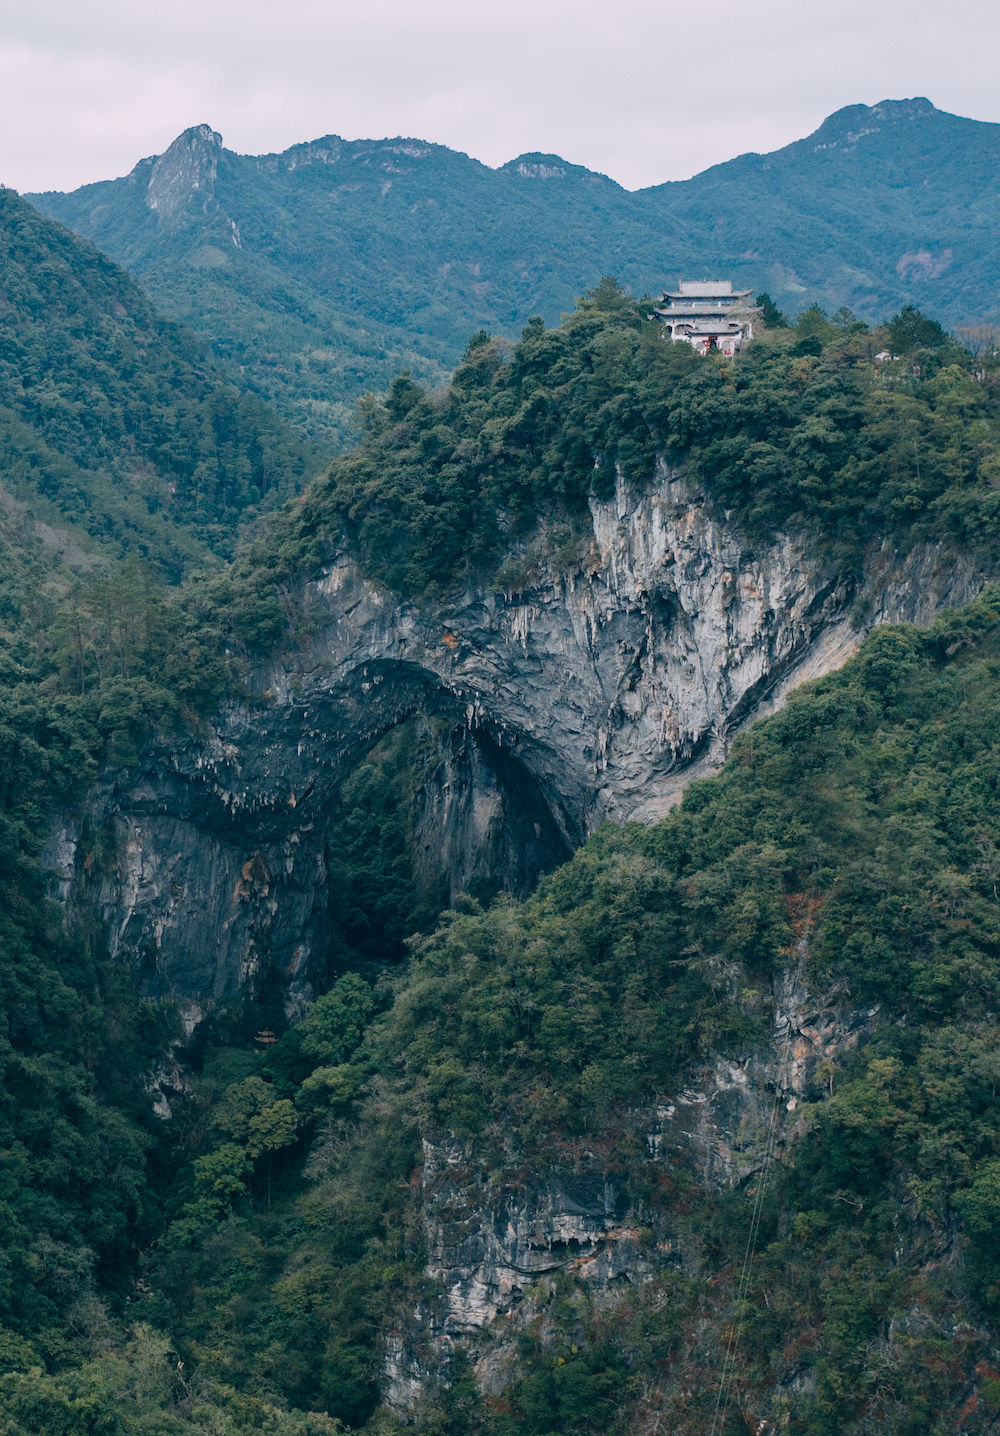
{"x": 184, "y": 175}
{"x": 500, "y": 1225}
{"x": 587, "y": 694}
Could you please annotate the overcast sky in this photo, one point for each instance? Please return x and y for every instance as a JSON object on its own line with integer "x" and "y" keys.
{"x": 644, "y": 90}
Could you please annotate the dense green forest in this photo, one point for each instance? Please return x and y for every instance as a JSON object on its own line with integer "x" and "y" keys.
{"x": 806, "y": 433}
{"x": 235, "y": 1268}
{"x": 850, "y": 838}
{"x": 126, "y": 460}
{"x": 324, "y": 270}
{"x": 116, "y": 422}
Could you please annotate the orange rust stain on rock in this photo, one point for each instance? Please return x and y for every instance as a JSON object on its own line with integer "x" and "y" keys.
{"x": 254, "y": 874}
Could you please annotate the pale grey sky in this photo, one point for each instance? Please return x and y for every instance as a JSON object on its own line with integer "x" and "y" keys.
{"x": 645, "y": 90}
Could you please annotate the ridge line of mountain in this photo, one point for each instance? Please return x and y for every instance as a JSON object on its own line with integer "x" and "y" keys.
{"x": 350, "y": 260}
{"x": 556, "y": 166}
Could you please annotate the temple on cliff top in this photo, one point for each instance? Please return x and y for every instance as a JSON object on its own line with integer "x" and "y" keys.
{"x": 708, "y": 314}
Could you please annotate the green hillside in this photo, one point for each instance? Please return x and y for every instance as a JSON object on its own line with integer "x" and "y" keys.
{"x": 238, "y": 1265}
{"x": 324, "y": 270}
{"x": 850, "y": 841}
{"x": 116, "y": 422}
{"x": 806, "y": 433}
{"x": 882, "y": 206}
{"x": 127, "y": 460}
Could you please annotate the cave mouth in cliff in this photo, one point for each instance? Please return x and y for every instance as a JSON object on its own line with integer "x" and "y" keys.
{"x": 433, "y": 810}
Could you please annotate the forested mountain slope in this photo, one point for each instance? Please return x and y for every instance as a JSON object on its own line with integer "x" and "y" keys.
{"x": 127, "y": 459}
{"x": 504, "y": 1177}
{"x": 347, "y": 260}
{"x": 708, "y": 1128}
{"x": 593, "y": 560}
{"x": 114, "y": 421}
{"x": 708, "y": 1124}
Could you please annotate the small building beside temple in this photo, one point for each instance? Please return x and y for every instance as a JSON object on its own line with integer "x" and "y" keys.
{"x": 708, "y": 314}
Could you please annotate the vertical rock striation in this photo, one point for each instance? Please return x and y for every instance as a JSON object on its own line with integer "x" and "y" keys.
{"x": 501, "y": 1225}
{"x": 182, "y": 179}
{"x": 589, "y": 694}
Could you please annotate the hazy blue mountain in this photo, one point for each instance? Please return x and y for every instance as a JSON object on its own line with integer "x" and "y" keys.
{"x": 323, "y": 270}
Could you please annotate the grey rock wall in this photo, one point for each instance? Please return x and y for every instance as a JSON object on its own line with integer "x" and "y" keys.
{"x": 500, "y": 1225}
{"x": 584, "y": 695}
{"x": 591, "y": 694}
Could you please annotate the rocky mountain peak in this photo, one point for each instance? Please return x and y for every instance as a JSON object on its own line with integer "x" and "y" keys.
{"x": 537, "y": 166}
{"x": 327, "y": 150}
{"x": 186, "y": 170}
{"x": 845, "y": 128}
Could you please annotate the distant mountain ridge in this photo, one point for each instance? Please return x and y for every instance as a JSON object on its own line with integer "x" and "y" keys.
{"x": 322, "y": 270}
